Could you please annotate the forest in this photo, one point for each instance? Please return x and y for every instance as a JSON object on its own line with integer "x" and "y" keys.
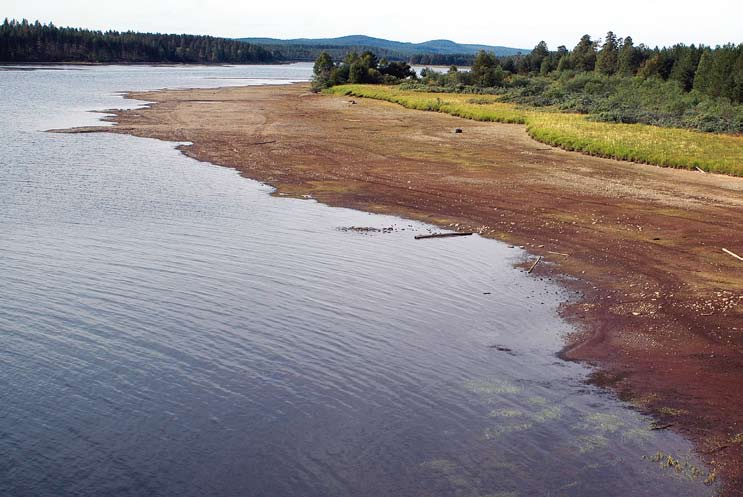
{"x": 23, "y": 42}
{"x": 33, "y": 42}
{"x": 613, "y": 80}
{"x": 309, "y": 53}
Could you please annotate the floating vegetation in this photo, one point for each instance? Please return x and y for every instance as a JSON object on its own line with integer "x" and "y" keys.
{"x": 537, "y": 401}
{"x": 454, "y": 474}
{"x": 682, "y": 467}
{"x": 505, "y": 413}
{"x": 638, "y": 435}
{"x": 602, "y": 423}
{"x": 531, "y": 419}
{"x": 368, "y": 229}
{"x": 589, "y": 443}
{"x": 359, "y": 229}
{"x": 492, "y": 387}
{"x": 547, "y": 414}
{"x": 440, "y": 465}
{"x": 595, "y": 437}
{"x": 498, "y": 431}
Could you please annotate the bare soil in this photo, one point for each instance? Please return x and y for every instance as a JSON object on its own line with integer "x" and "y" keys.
{"x": 659, "y": 306}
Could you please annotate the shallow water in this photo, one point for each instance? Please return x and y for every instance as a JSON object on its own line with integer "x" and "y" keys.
{"x": 169, "y": 328}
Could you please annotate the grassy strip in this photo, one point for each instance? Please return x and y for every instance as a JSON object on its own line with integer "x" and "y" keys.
{"x": 670, "y": 147}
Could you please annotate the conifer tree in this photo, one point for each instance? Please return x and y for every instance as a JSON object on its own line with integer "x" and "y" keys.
{"x": 628, "y": 58}
{"x": 538, "y": 55}
{"x": 607, "y": 60}
{"x": 685, "y": 66}
{"x": 323, "y": 70}
{"x": 584, "y": 54}
{"x": 702, "y": 77}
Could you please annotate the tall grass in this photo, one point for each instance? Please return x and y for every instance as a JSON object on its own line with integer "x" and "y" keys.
{"x": 670, "y": 147}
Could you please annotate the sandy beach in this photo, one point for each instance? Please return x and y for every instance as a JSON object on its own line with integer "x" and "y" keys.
{"x": 657, "y": 303}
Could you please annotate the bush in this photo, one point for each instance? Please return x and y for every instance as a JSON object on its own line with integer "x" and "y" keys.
{"x": 629, "y": 100}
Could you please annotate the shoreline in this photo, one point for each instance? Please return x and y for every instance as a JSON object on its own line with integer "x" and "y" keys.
{"x": 46, "y": 66}
{"x": 641, "y": 244}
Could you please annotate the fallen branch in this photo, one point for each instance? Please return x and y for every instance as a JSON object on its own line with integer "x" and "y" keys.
{"x": 733, "y": 254}
{"x": 662, "y": 427}
{"x": 700, "y": 169}
{"x": 558, "y": 253}
{"x": 441, "y": 235}
{"x": 500, "y": 348}
{"x": 534, "y": 265}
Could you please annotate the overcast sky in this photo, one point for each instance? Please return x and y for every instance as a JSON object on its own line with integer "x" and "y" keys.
{"x": 518, "y": 24}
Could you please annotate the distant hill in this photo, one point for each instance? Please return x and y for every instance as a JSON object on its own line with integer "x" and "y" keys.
{"x": 444, "y": 50}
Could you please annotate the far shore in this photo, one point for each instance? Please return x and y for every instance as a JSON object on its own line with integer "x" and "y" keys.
{"x": 658, "y": 304}
{"x": 148, "y": 64}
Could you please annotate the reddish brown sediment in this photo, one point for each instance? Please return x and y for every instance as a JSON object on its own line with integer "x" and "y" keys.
{"x": 661, "y": 305}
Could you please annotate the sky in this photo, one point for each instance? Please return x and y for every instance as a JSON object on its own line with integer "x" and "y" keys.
{"x": 520, "y": 24}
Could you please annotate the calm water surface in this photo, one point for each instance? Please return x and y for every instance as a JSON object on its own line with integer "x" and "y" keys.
{"x": 169, "y": 328}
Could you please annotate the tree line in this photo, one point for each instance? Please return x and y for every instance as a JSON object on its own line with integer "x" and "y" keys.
{"x": 716, "y": 72}
{"x": 311, "y": 52}
{"x": 439, "y": 59}
{"x": 21, "y": 41}
{"x": 613, "y": 80}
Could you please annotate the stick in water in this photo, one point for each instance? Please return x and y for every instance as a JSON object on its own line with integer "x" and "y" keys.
{"x": 534, "y": 265}
{"x": 441, "y": 235}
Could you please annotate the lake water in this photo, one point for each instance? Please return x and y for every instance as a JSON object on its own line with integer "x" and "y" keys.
{"x": 168, "y": 328}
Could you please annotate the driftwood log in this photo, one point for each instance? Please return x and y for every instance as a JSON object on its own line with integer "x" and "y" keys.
{"x": 534, "y": 265}
{"x": 441, "y": 235}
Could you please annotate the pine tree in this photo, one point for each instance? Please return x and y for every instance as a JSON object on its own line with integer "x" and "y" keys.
{"x": 564, "y": 64}
{"x": 738, "y": 76}
{"x": 483, "y": 64}
{"x": 323, "y": 70}
{"x": 628, "y": 59}
{"x": 584, "y": 54}
{"x": 537, "y": 56}
{"x": 702, "y": 77}
{"x": 685, "y": 66}
{"x": 607, "y": 60}
{"x": 723, "y": 73}
{"x": 545, "y": 68}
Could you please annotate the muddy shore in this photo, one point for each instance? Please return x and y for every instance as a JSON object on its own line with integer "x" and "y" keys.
{"x": 658, "y": 304}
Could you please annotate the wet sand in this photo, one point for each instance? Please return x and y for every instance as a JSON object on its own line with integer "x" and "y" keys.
{"x": 658, "y": 304}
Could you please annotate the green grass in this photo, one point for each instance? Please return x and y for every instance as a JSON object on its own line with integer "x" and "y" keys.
{"x": 669, "y": 147}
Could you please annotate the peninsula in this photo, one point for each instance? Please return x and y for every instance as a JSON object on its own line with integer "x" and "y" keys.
{"x": 657, "y": 301}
